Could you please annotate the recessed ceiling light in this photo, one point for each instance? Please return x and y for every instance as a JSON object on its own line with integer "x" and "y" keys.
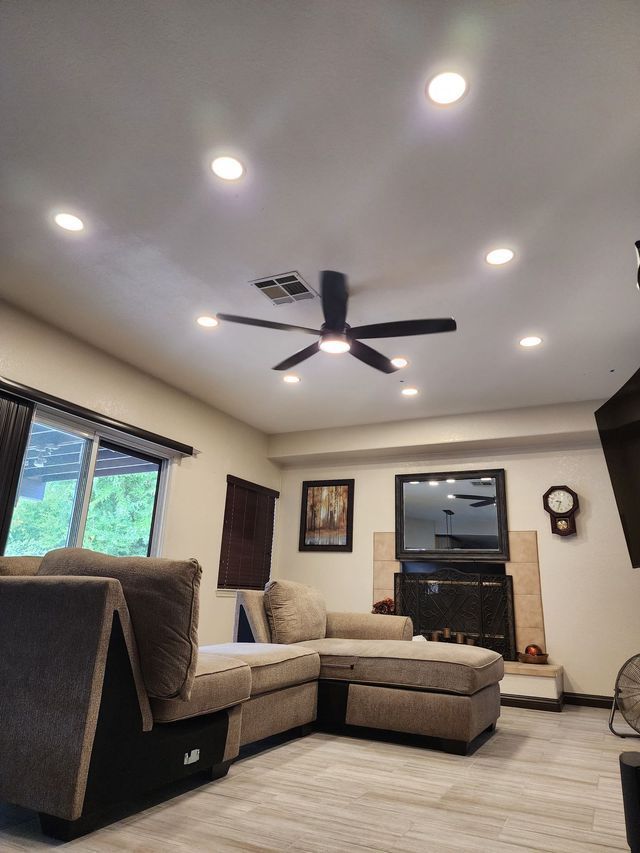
{"x": 451, "y": 497}
{"x": 68, "y": 221}
{"x": 446, "y": 88}
{"x": 335, "y": 343}
{"x": 497, "y": 257}
{"x": 433, "y": 482}
{"x": 291, "y": 379}
{"x": 409, "y": 392}
{"x": 227, "y": 168}
{"x": 531, "y": 341}
{"x": 399, "y": 361}
{"x": 207, "y": 322}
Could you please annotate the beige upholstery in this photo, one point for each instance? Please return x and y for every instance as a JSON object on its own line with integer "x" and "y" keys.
{"x": 432, "y": 666}
{"x": 441, "y": 715}
{"x": 271, "y": 713}
{"x": 273, "y": 666}
{"x": 219, "y": 683}
{"x": 12, "y": 566}
{"x": 250, "y": 603}
{"x": 54, "y": 636}
{"x": 369, "y": 626}
{"x": 294, "y": 611}
{"x": 162, "y": 597}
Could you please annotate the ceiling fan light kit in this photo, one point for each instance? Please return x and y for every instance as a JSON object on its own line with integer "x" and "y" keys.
{"x": 336, "y": 336}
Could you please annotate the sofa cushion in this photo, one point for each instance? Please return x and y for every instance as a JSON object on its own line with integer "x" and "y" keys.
{"x": 162, "y": 597}
{"x": 219, "y": 682}
{"x": 273, "y": 666}
{"x": 295, "y": 612}
{"x": 448, "y": 668}
{"x": 13, "y": 566}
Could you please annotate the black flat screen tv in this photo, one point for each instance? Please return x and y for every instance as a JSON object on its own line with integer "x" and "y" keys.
{"x": 619, "y": 427}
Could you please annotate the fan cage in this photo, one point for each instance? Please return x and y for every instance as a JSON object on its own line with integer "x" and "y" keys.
{"x": 626, "y": 697}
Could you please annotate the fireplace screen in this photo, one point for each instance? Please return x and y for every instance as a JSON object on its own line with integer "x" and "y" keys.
{"x": 473, "y": 608}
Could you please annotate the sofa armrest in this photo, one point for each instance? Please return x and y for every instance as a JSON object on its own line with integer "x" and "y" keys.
{"x": 369, "y": 626}
{"x": 54, "y": 635}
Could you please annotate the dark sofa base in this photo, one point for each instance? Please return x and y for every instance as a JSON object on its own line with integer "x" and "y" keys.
{"x": 126, "y": 762}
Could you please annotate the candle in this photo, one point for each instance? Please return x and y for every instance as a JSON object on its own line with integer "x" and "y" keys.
{"x": 471, "y": 641}
{"x": 459, "y": 637}
{"x": 435, "y": 636}
{"x": 447, "y": 633}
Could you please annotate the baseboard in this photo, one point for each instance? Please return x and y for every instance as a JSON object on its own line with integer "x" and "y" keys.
{"x": 532, "y": 703}
{"x": 588, "y": 700}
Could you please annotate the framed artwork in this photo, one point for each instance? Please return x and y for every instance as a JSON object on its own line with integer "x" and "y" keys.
{"x": 326, "y": 516}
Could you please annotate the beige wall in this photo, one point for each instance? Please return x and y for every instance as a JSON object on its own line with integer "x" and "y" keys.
{"x": 590, "y": 592}
{"x": 39, "y": 356}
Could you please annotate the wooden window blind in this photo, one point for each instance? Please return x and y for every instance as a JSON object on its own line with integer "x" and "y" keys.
{"x": 247, "y": 535}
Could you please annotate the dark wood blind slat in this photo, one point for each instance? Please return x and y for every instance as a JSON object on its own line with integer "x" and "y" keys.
{"x": 247, "y": 535}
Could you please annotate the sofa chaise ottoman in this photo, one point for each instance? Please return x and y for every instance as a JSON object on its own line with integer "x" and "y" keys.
{"x": 370, "y": 676}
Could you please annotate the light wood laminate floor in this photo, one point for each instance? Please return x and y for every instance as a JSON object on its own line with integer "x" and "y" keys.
{"x": 545, "y": 781}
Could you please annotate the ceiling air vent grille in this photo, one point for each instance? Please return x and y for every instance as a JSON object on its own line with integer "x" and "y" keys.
{"x": 287, "y": 287}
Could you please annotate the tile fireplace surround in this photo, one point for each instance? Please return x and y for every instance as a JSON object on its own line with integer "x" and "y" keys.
{"x": 523, "y": 568}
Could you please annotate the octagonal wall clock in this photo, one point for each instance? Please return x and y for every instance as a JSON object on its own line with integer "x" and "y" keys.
{"x": 561, "y": 503}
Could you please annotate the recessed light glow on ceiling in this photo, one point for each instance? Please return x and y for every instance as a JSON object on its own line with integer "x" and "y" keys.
{"x": 446, "y": 88}
{"x": 399, "y": 361}
{"x": 497, "y": 257}
{"x": 531, "y": 341}
{"x": 335, "y": 344}
{"x": 68, "y": 221}
{"x": 409, "y": 392}
{"x": 433, "y": 482}
{"x": 227, "y": 168}
{"x": 207, "y": 322}
{"x": 291, "y": 379}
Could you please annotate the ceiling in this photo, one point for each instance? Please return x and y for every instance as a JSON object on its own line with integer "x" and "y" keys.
{"x": 114, "y": 111}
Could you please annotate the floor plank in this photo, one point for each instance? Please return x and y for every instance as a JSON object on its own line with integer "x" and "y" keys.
{"x": 544, "y": 782}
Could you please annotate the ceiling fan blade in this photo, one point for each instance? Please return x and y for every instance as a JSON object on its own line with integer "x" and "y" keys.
{"x": 401, "y": 328}
{"x": 371, "y": 357}
{"x": 335, "y": 296}
{"x": 266, "y": 324}
{"x": 302, "y": 355}
{"x": 475, "y": 497}
{"x": 483, "y": 503}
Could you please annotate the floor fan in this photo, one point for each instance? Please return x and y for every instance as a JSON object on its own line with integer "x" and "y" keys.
{"x": 626, "y": 697}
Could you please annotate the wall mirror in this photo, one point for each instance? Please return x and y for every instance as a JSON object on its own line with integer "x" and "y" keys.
{"x": 452, "y": 516}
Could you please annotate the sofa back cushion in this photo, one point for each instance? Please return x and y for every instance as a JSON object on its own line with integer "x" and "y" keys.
{"x": 14, "y": 566}
{"x": 163, "y": 600}
{"x": 295, "y": 612}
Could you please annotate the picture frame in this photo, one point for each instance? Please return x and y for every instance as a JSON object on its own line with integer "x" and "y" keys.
{"x": 326, "y": 515}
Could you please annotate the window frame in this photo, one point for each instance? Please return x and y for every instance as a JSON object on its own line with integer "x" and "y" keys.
{"x": 95, "y": 434}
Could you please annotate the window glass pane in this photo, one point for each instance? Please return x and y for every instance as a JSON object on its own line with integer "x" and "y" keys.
{"x": 123, "y": 497}
{"x": 44, "y": 510}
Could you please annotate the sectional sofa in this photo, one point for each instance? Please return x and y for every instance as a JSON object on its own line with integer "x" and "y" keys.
{"x": 106, "y": 694}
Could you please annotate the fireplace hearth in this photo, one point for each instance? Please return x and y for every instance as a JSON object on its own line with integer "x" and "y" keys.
{"x": 480, "y": 606}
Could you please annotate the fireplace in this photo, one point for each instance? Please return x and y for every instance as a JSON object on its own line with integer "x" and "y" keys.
{"x": 476, "y": 605}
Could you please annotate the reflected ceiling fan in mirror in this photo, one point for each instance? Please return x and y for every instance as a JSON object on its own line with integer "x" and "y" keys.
{"x": 337, "y": 336}
{"x": 480, "y": 500}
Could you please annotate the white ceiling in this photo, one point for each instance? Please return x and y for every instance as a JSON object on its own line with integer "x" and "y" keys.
{"x": 114, "y": 110}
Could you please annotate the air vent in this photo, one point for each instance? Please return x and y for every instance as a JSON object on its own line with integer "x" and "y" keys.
{"x": 287, "y": 287}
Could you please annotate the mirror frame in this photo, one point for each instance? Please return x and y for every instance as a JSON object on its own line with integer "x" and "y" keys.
{"x": 501, "y": 555}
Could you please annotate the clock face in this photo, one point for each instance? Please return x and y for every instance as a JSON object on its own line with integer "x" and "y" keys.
{"x": 560, "y": 501}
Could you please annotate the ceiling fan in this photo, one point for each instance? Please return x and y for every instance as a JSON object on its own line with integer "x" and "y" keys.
{"x": 480, "y": 500}
{"x": 337, "y": 336}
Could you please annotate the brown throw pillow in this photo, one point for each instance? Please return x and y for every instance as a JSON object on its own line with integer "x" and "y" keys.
{"x": 12, "y": 566}
{"x": 162, "y": 597}
{"x": 296, "y": 612}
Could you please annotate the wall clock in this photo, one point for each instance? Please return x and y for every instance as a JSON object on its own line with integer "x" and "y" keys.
{"x": 561, "y": 503}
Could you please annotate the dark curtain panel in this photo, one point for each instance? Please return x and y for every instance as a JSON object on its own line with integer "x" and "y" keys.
{"x": 247, "y": 535}
{"x": 15, "y": 422}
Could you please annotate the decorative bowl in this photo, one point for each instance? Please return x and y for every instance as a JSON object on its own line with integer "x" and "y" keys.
{"x": 532, "y": 658}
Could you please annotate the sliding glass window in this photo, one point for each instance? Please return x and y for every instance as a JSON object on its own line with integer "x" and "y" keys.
{"x": 79, "y": 489}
